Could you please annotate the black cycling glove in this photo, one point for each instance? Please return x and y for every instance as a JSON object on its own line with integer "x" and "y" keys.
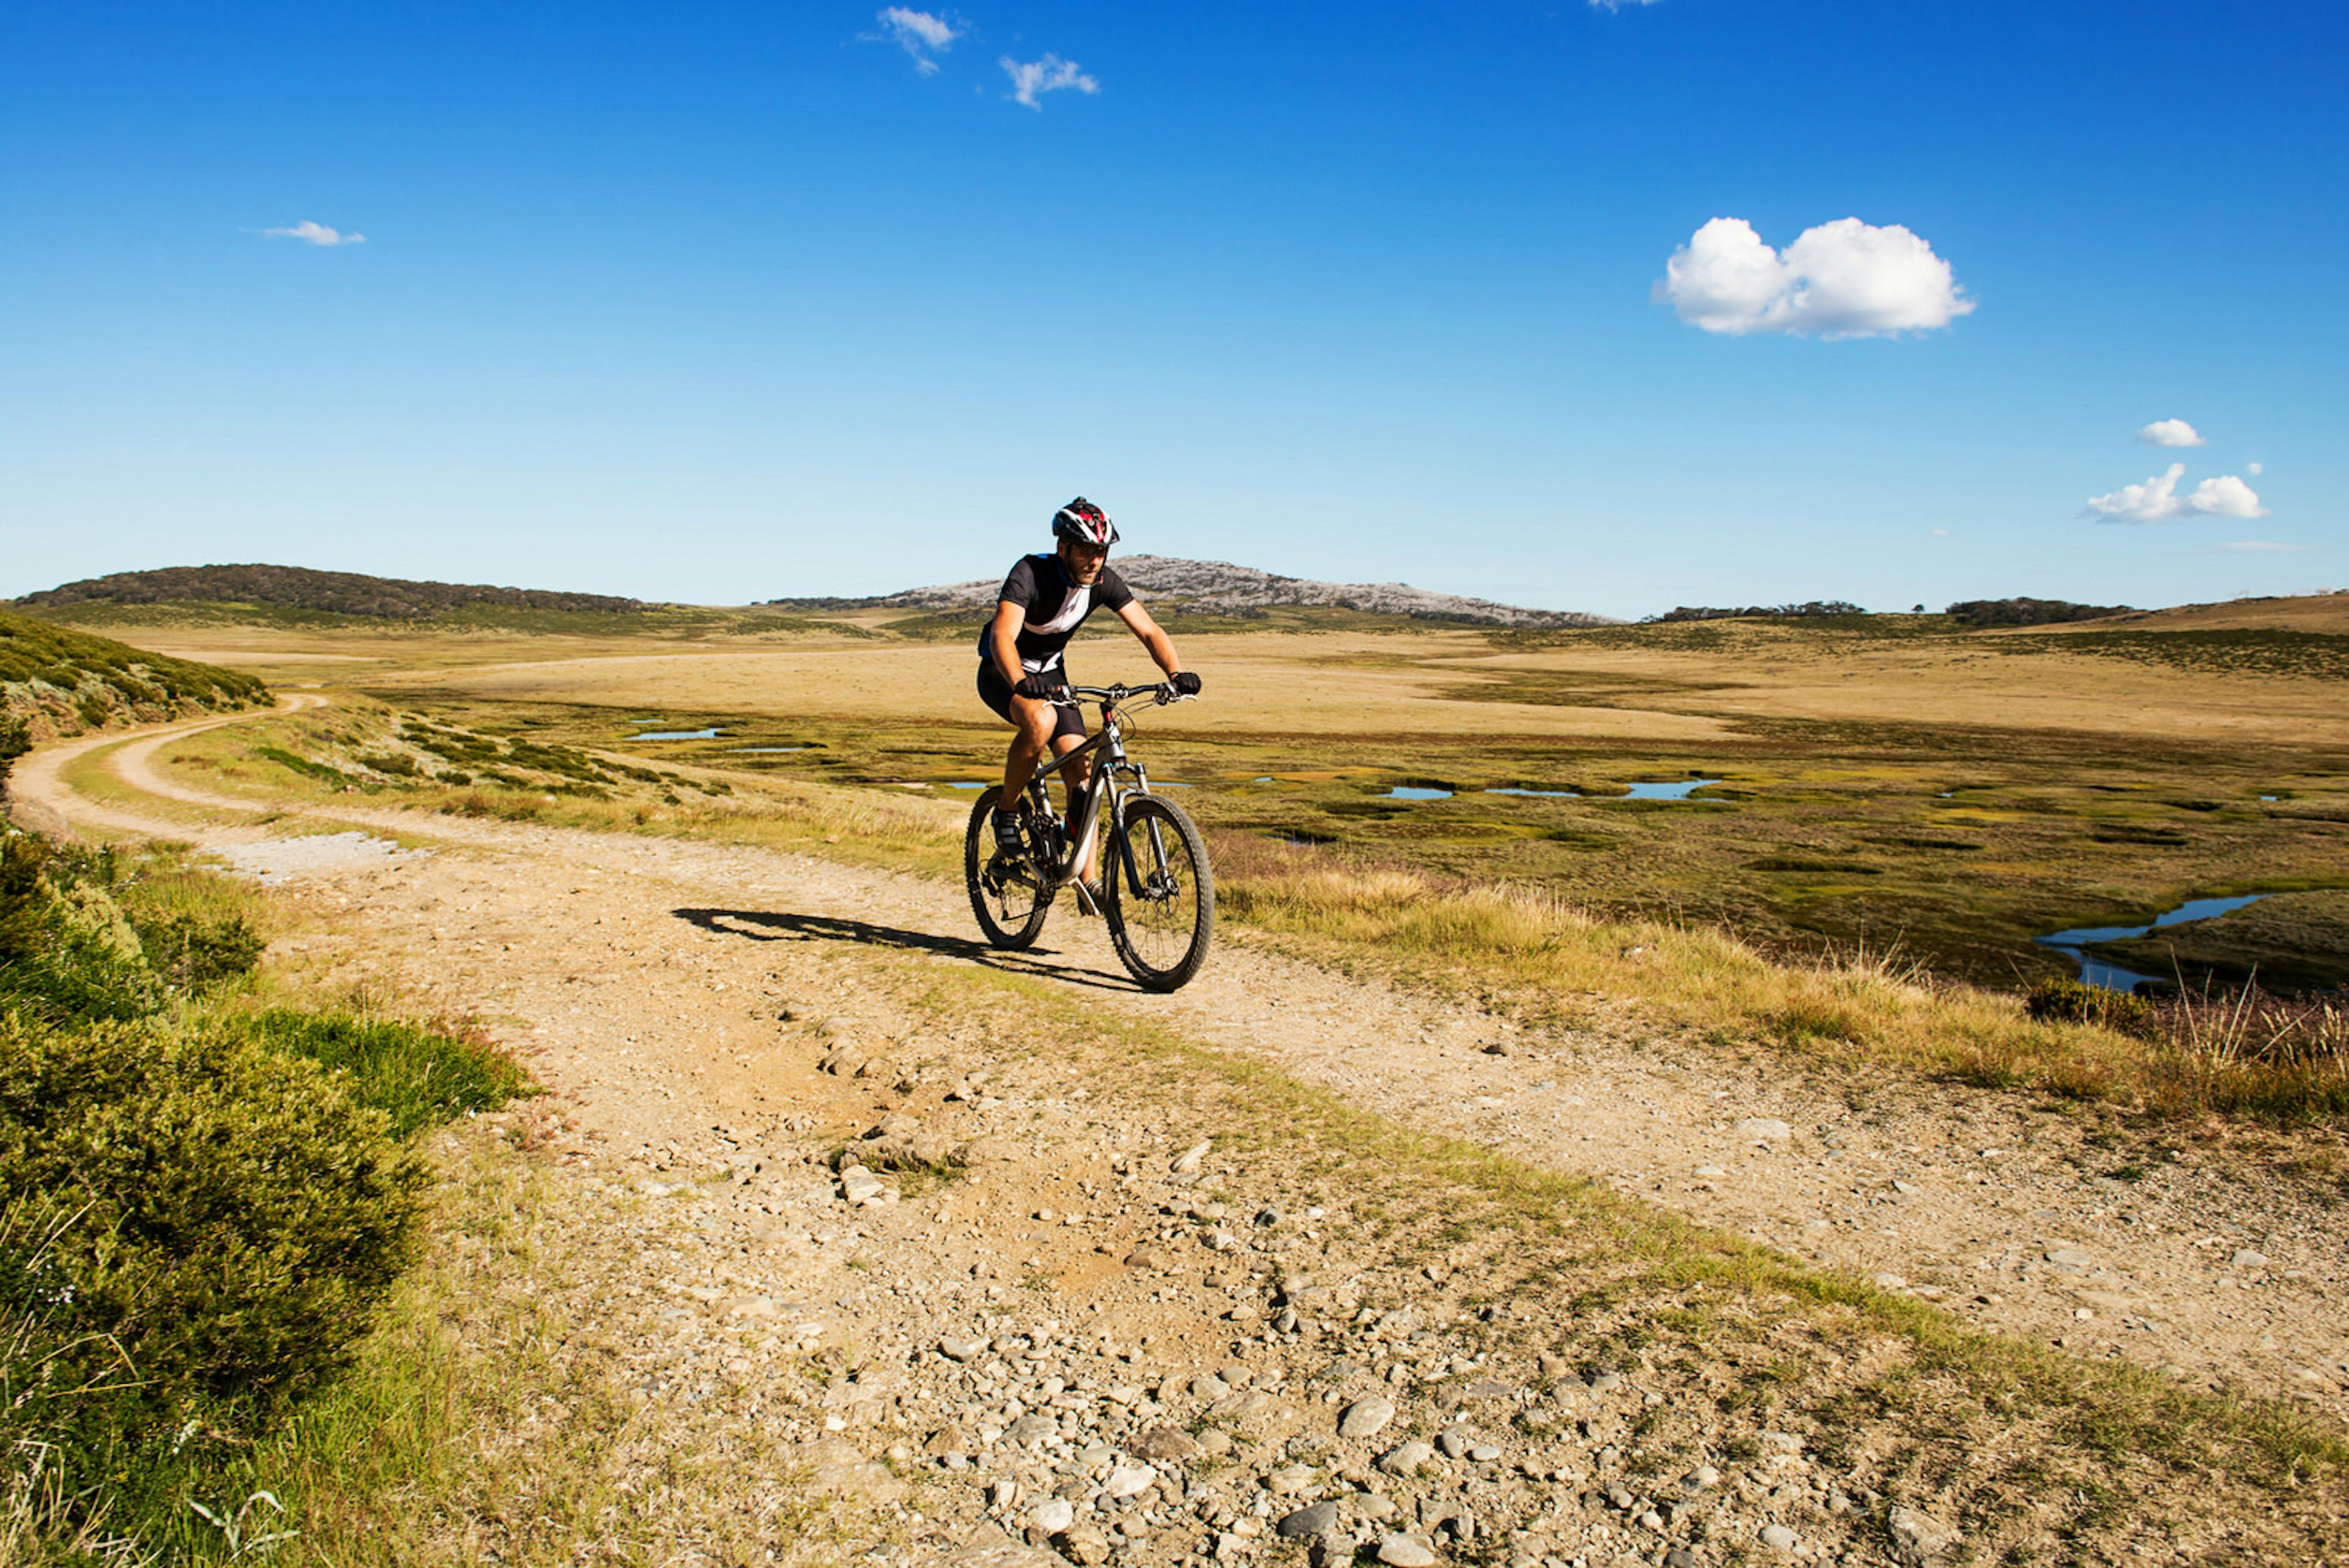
{"x": 1187, "y": 683}
{"x": 1042, "y": 688}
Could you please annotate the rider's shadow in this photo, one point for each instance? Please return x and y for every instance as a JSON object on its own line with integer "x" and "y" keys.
{"x": 780, "y": 925}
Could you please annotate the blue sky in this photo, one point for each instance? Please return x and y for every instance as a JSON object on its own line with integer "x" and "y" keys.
{"x": 718, "y": 303}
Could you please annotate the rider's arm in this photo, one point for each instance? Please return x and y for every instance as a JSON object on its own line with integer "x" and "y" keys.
{"x": 1003, "y": 640}
{"x": 1153, "y": 636}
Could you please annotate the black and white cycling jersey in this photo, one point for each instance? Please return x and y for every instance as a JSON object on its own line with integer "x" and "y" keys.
{"x": 1055, "y": 608}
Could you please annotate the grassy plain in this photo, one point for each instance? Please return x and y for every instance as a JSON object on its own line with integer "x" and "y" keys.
{"x": 1887, "y": 784}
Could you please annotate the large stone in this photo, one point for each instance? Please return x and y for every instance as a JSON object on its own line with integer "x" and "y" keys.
{"x": 1031, "y": 1429}
{"x": 1454, "y": 1441}
{"x": 1365, "y": 1418}
{"x": 1920, "y": 1539}
{"x": 1306, "y": 1522}
{"x": 1763, "y": 1129}
{"x": 962, "y": 1349}
{"x": 1187, "y": 1163}
{"x": 1128, "y": 1481}
{"x": 1401, "y": 1550}
{"x": 1053, "y": 1515}
{"x": 1404, "y": 1461}
{"x": 1083, "y": 1543}
{"x": 1778, "y": 1538}
{"x": 1162, "y": 1443}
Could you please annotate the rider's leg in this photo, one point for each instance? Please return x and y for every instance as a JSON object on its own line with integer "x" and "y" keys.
{"x": 1033, "y": 719}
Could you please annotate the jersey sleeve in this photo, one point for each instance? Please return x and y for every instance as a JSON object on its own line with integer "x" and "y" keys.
{"x": 1109, "y": 591}
{"x": 1019, "y": 584}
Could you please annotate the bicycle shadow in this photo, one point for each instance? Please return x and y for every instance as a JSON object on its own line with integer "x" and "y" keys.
{"x": 783, "y": 925}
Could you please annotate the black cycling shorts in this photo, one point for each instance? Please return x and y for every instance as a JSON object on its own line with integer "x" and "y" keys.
{"x": 998, "y": 696}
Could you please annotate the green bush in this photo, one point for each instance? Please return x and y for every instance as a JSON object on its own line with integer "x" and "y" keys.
{"x": 65, "y": 950}
{"x": 226, "y": 1216}
{"x": 2074, "y": 1002}
{"x": 15, "y": 740}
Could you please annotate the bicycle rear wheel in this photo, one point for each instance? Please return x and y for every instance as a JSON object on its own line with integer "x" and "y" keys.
{"x": 1162, "y": 897}
{"x": 1007, "y": 895}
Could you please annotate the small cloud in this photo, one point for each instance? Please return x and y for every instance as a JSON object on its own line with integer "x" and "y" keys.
{"x": 2157, "y": 500}
{"x": 2170, "y": 432}
{"x": 1843, "y": 279}
{"x": 923, "y": 36}
{"x": 2259, "y": 545}
{"x": 2255, "y": 468}
{"x": 1617, "y": 5}
{"x": 311, "y": 233}
{"x": 1940, "y": 532}
{"x": 1051, "y": 74}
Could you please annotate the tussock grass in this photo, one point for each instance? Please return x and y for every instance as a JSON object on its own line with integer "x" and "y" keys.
{"x": 1858, "y": 1008}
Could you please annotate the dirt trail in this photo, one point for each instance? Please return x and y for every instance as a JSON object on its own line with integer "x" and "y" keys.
{"x": 1999, "y": 1211}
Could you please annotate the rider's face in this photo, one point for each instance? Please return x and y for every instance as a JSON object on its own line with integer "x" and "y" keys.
{"x": 1084, "y": 561}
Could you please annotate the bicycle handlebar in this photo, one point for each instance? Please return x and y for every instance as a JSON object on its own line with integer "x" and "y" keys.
{"x": 1164, "y": 691}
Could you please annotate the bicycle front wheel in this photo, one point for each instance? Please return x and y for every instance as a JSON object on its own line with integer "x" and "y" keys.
{"x": 1007, "y": 895}
{"x": 1162, "y": 897}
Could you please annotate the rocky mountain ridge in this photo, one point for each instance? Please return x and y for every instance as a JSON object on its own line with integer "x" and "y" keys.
{"x": 1220, "y": 588}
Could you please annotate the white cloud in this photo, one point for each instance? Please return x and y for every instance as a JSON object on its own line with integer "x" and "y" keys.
{"x": 1843, "y": 279}
{"x": 923, "y": 36}
{"x": 2226, "y": 496}
{"x": 2157, "y": 500}
{"x": 2259, "y": 545}
{"x": 2170, "y": 432}
{"x": 311, "y": 233}
{"x": 2255, "y": 468}
{"x": 1617, "y": 5}
{"x": 1051, "y": 74}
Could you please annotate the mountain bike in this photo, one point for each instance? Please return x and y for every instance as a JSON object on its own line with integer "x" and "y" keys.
{"x": 1158, "y": 896}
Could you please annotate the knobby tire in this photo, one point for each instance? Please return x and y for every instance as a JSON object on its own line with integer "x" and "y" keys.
{"x": 1013, "y": 916}
{"x": 1161, "y": 927}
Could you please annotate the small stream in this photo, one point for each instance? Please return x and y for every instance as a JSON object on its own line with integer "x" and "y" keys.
{"x": 2095, "y": 972}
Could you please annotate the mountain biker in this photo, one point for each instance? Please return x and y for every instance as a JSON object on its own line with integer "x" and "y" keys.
{"x": 1044, "y": 600}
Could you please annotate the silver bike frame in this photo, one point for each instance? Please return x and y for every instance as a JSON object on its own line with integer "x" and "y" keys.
{"x": 1114, "y": 764}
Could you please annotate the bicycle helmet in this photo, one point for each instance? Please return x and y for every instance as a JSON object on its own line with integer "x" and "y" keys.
{"x": 1085, "y": 523}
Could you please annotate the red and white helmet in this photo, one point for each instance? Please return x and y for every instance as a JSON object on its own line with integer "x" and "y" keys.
{"x": 1085, "y": 523}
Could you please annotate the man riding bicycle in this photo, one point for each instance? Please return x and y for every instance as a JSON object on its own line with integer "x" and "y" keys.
{"x": 1044, "y": 600}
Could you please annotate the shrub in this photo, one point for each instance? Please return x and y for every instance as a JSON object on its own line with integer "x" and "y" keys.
{"x": 15, "y": 740}
{"x": 221, "y": 1219}
{"x": 2074, "y": 1002}
{"x": 65, "y": 950}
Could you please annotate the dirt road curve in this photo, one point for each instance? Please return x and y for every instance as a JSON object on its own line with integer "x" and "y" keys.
{"x": 2000, "y": 1211}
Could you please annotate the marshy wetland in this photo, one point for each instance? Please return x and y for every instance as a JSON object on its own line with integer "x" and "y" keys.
{"x": 1891, "y": 782}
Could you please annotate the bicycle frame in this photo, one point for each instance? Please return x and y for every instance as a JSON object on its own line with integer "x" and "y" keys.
{"x": 1114, "y": 764}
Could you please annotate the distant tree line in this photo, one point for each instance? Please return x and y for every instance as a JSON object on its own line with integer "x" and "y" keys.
{"x": 2028, "y": 612}
{"x": 1783, "y": 612}
{"x": 300, "y": 588}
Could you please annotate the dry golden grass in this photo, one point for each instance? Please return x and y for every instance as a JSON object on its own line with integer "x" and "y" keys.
{"x": 1857, "y": 1009}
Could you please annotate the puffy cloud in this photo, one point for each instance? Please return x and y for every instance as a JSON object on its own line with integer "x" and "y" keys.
{"x": 2170, "y": 432}
{"x": 923, "y": 36}
{"x": 2157, "y": 500}
{"x": 1030, "y": 80}
{"x": 311, "y": 233}
{"x": 1843, "y": 279}
{"x": 2226, "y": 496}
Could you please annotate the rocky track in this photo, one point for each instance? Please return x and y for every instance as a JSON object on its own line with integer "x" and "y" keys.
{"x": 1108, "y": 1342}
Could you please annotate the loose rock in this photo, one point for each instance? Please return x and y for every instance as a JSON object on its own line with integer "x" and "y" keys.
{"x": 1364, "y": 1418}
